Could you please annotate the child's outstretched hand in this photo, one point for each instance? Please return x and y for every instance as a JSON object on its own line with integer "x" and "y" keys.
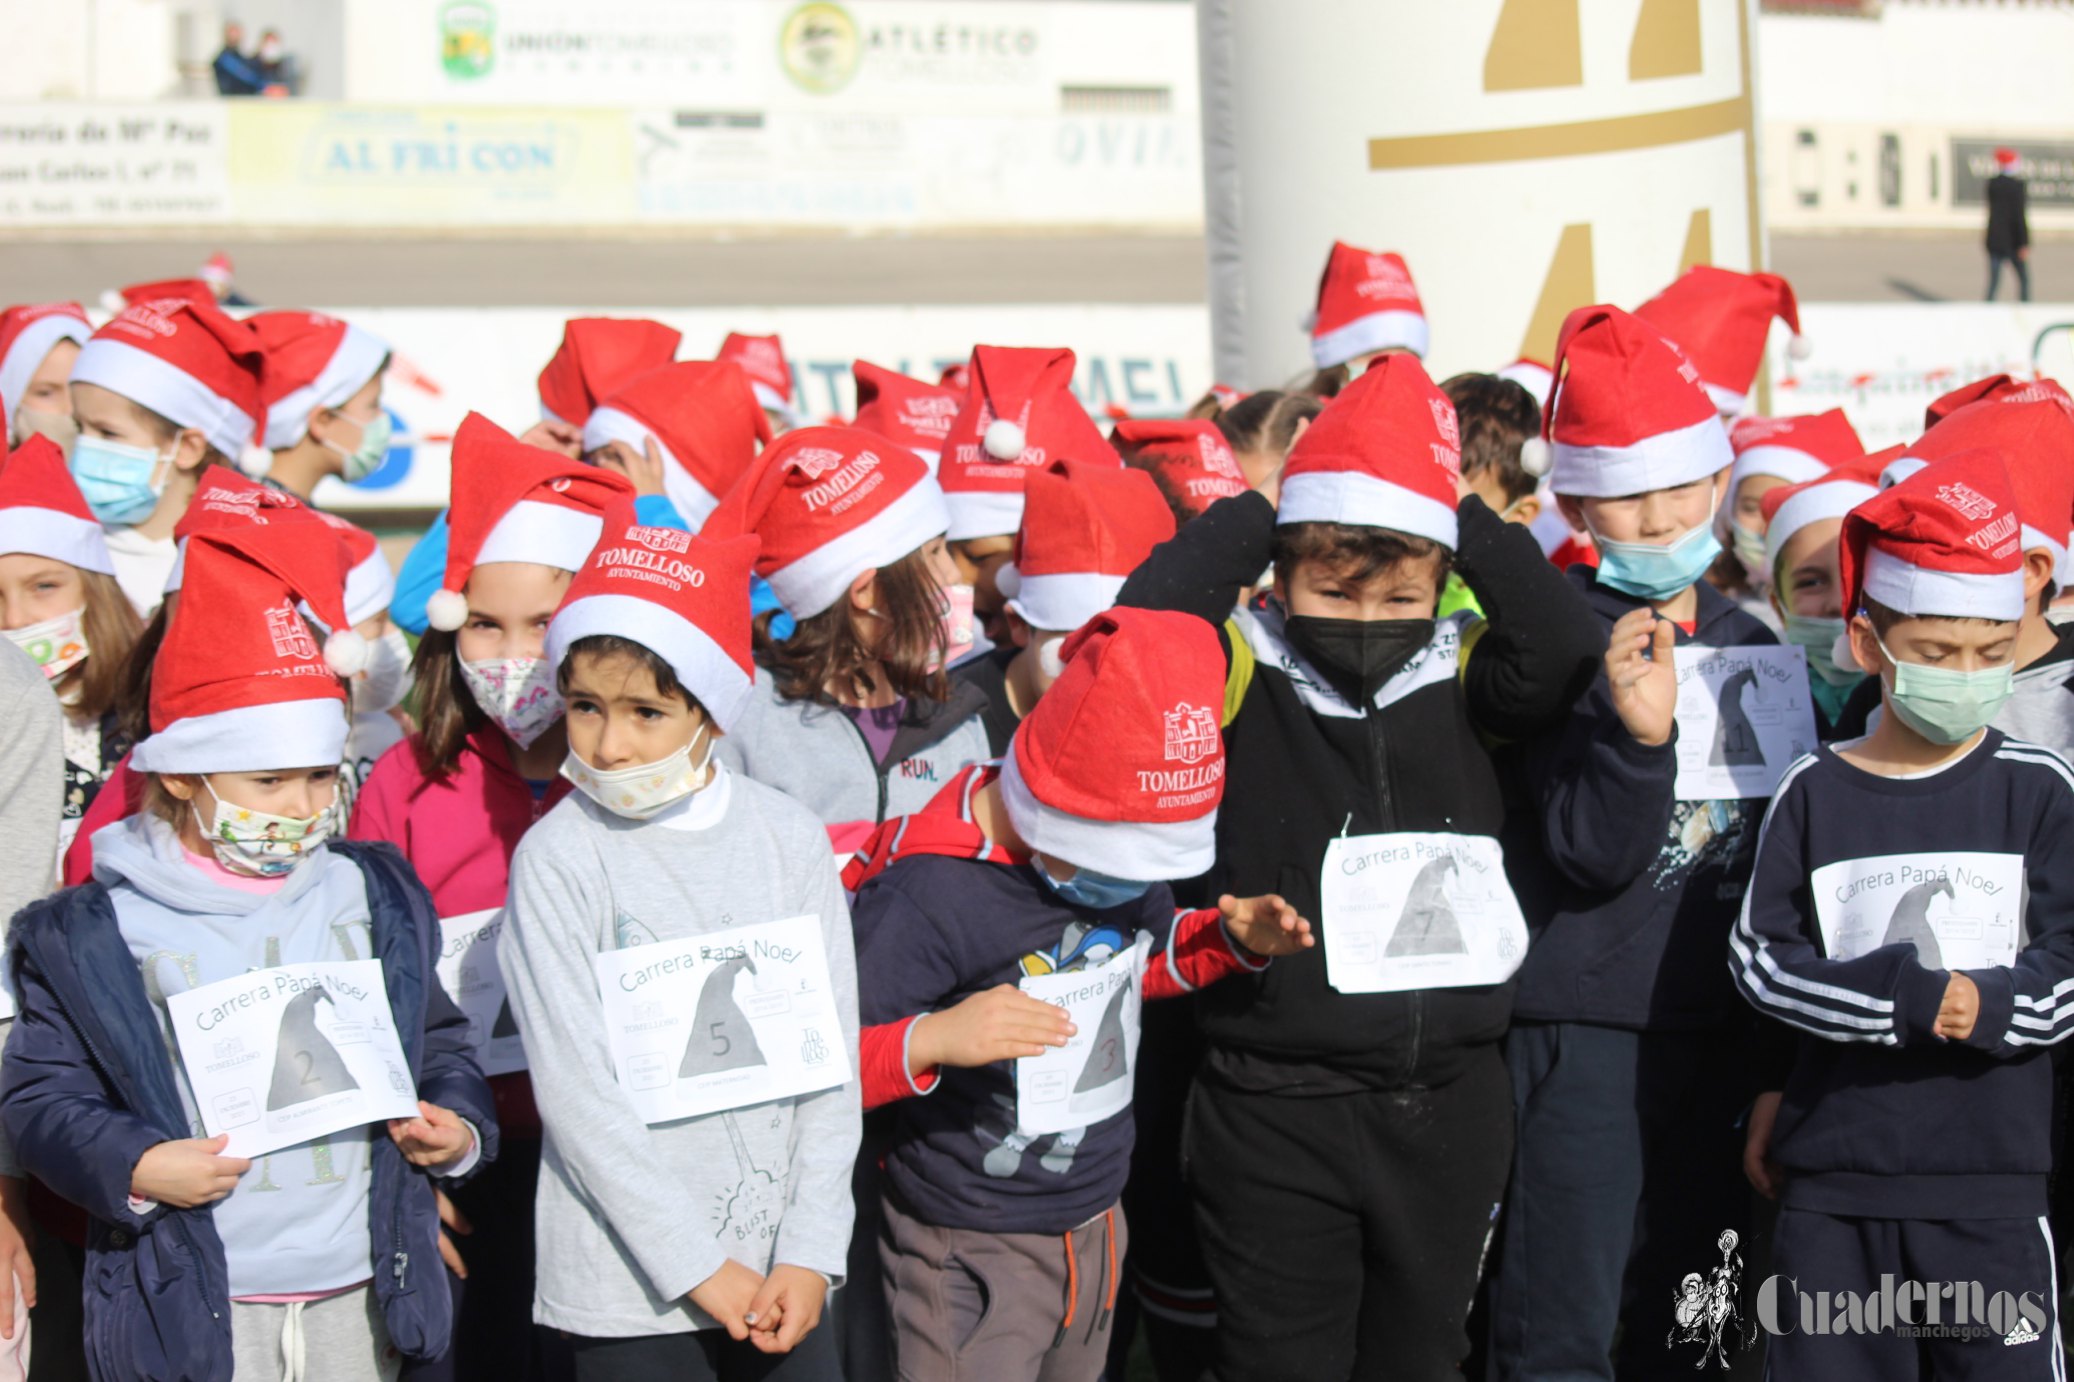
{"x": 1000, "y": 1023}
{"x": 787, "y": 1305}
{"x": 1763, "y": 1173}
{"x": 188, "y": 1172}
{"x": 1960, "y": 1009}
{"x": 1645, "y": 689}
{"x": 435, "y": 1138}
{"x": 1265, "y": 925}
{"x": 729, "y": 1295}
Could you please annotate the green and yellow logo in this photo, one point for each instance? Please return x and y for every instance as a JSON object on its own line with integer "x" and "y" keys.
{"x": 819, "y": 47}
{"x": 467, "y": 30}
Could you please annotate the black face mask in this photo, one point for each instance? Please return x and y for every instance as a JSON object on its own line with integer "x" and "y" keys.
{"x": 1357, "y": 655}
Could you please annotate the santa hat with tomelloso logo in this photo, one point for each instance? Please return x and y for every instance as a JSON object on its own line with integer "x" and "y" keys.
{"x": 762, "y": 358}
{"x": 918, "y": 415}
{"x": 1997, "y": 388}
{"x": 2036, "y": 443}
{"x": 312, "y": 361}
{"x": 225, "y": 499}
{"x": 514, "y": 502}
{"x": 1719, "y": 318}
{"x": 829, "y": 504}
{"x": 239, "y": 684}
{"x": 1120, "y": 766}
{"x": 1189, "y": 456}
{"x": 1019, "y": 415}
{"x": 42, "y": 512}
{"x": 599, "y": 356}
{"x": 704, "y": 419}
{"x": 1630, "y": 415}
{"x": 27, "y": 334}
{"x": 683, "y": 597}
{"x": 1794, "y": 449}
{"x": 1085, "y": 528}
{"x": 186, "y": 361}
{"x": 1944, "y": 542}
{"x": 1367, "y": 302}
{"x": 1385, "y": 453}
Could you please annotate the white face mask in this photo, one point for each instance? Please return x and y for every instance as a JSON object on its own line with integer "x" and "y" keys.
{"x": 56, "y": 645}
{"x": 518, "y": 693}
{"x": 646, "y": 788}
{"x": 387, "y": 679}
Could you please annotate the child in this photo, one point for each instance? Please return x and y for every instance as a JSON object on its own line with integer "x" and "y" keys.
{"x": 323, "y": 392}
{"x": 699, "y": 420}
{"x": 1351, "y": 710}
{"x": 1627, "y": 1051}
{"x": 1770, "y": 452}
{"x": 1261, "y": 428}
{"x": 1802, "y": 523}
{"x": 1905, "y": 917}
{"x": 1367, "y": 306}
{"x": 170, "y": 385}
{"x": 457, "y": 796}
{"x": 912, "y": 412}
{"x": 1188, "y": 458}
{"x": 312, "y": 1260}
{"x": 60, "y": 604}
{"x": 853, "y": 715}
{"x": 1503, "y": 458}
{"x": 1084, "y": 529}
{"x": 1718, "y": 320}
{"x": 38, "y": 344}
{"x": 1037, "y": 866}
{"x": 696, "y": 1247}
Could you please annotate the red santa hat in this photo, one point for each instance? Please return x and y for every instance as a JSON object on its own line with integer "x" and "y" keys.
{"x": 1367, "y": 302}
{"x": 27, "y": 334}
{"x": 702, "y": 417}
{"x": 224, "y": 499}
{"x": 216, "y": 270}
{"x": 2005, "y": 157}
{"x": 42, "y": 512}
{"x": 1226, "y": 396}
{"x": 762, "y": 358}
{"x": 312, "y": 361}
{"x": 186, "y": 361}
{"x": 1945, "y": 542}
{"x": 1085, "y": 528}
{"x": 1187, "y": 455}
{"x": 240, "y": 685}
{"x": 956, "y": 375}
{"x": 1790, "y": 508}
{"x": 514, "y": 502}
{"x": 682, "y": 596}
{"x": 1019, "y": 415}
{"x": 1630, "y": 414}
{"x": 829, "y": 504}
{"x": 192, "y": 289}
{"x": 1997, "y": 388}
{"x": 1794, "y": 449}
{"x": 1719, "y": 318}
{"x": 918, "y": 415}
{"x": 598, "y": 357}
{"x": 1385, "y": 453}
{"x": 370, "y": 584}
{"x": 1120, "y": 767}
{"x": 2036, "y": 443}
{"x": 1533, "y": 376}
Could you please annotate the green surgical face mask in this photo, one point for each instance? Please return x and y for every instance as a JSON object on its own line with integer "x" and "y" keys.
{"x": 1750, "y": 550}
{"x": 363, "y": 459}
{"x": 1816, "y": 635}
{"x": 1944, "y": 706}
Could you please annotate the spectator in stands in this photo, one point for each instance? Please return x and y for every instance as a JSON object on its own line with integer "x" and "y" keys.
{"x": 2009, "y": 234}
{"x": 278, "y": 67}
{"x": 236, "y": 74}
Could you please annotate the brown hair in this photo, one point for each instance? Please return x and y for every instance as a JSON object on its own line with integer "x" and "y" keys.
{"x": 1495, "y": 417}
{"x": 1355, "y": 552}
{"x": 160, "y": 802}
{"x": 605, "y": 646}
{"x": 1327, "y": 382}
{"x": 825, "y": 650}
{"x": 133, "y": 682}
{"x": 447, "y": 712}
{"x": 111, "y": 627}
{"x": 1884, "y": 619}
{"x": 1267, "y": 421}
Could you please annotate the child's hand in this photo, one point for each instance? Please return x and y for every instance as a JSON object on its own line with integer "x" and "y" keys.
{"x": 436, "y": 1138}
{"x": 189, "y": 1172}
{"x": 729, "y": 1295}
{"x": 452, "y": 1222}
{"x": 644, "y": 470}
{"x": 17, "y": 1266}
{"x": 1960, "y": 1009}
{"x": 1645, "y": 691}
{"x": 1265, "y": 925}
{"x": 786, "y": 1307}
{"x": 1763, "y": 1173}
{"x": 558, "y": 437}
{"x": 1000, "y": 1023}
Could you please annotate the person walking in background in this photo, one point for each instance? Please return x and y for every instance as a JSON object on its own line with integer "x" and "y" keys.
{"x": 236, "y": 74}
{"x": 2009, "y": 235}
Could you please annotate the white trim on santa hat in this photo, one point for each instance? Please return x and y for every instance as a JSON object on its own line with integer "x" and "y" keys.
{"x": 1788, "y": 463}
{"x": 693, "y": 502}
{"x": 370, "y": 588}
{"x": 1830, "y": 499}
{"x": 352, "y": 364}
{"x": 166, "y": 389}
{"x": 56, "y": 535}
{"x": 1368, "y": 501}
{"x": 1137, "y": 850}
{"x": 1367, "y": 334}
{"x": 249, "y": 739}
{"x": 983, "y": 512}
{"x": 1921, "y": 591}
{"x": 1536, "y": 379}
{"x": 812, "y": 583}
{"x": 1062, "y": 602}
{"x": 1727, "y": 402}
{"x": 1668, "y": 459}
{"x": 709, "y": 674}
{"x": 547, "y": 534}
{"x": 26, "y": 352}
{"x": 771, "y": 401}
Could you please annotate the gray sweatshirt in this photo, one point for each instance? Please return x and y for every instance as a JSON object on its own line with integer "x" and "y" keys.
{"x": 631, "y": 1217}
{"x": 32, "y": 798}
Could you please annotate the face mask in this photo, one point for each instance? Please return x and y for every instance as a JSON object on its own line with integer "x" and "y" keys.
{"x": 1657, "y": 573}
{"x": 646, "y": 788}
{"x": 1816, "y": 635}
{"x": 363, "y": 459}
{"x": 1095, "y": 891}
{"x": 1944, "y": 706}
{"x": 957, "y": 621}
{"x": 121, "y": 483}
{"x": 1358, "y": 655}
{"x": 1749, "y": 548}
{"x": 263, "y": 846}
{"x": 518, "y": 693}
{"x": 387, "y": 679}
{"x": 56, "y": 645}
{"x": 35, "y": 422}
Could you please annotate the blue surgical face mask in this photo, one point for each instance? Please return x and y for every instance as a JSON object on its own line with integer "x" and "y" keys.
{"x": 1648, "y": 572}
{"x": 121, "y": 483}
{"x": 1944, "y": 706}
{"x": 1095, "y": 891}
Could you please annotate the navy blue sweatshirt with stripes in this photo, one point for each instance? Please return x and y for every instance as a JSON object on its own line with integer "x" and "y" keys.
{"x": 1868, "y": 892}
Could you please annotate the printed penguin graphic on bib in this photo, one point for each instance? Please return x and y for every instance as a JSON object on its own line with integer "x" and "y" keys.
{"x": 1744, "y": 715}
{"x": 1069, "y": 1088}
{"x": 721, "y": 1037}
{"x": 469, "y": 972}
{"x": 1735, "y": 738}
{"x": 1415, "y": 910}
{"x": 306, "y": 1064}
{"x": 1959, "y": 910}
{"x": 1427, "y": 925}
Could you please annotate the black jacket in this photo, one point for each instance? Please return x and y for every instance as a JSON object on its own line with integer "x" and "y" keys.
{"x": 2008, "y": 230}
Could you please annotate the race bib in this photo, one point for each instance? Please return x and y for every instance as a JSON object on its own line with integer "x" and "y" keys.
{"x": 1959, "y": 910}
{"x": 1090, "y": 1077}
{"x": 280, "y": 1056}
{"x": 468, "y": 969}
{"x": 724, "y": 1020}
{"x": 1418, "y": 911}
{"x": 1744, "y": 715}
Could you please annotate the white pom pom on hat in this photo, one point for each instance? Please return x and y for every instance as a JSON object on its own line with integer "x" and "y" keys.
{"x": 1799, "y": 348}
{"x": 1008, "y": 580}
{"x": 1535, "y": 457}
{"x": 1841, "y": 653}
{"x": 346, "y": 652}
{"x": 1048, "y": 657}
{"x": 446, "y": 610}
{"x": 1004, "y": 440}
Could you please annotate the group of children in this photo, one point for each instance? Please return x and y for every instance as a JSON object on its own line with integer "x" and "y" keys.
{"x": 719, "y": 945}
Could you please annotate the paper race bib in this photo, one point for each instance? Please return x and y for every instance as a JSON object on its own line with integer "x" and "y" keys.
{"x": 723, "y": 1020}
{"x": 1744, "y": 715}
{"x": 1418, "y": 911}
{"x": 468, "y": 969}
{"x": 279, "y": 1056}
{"x": 1959, "y": 910}
{"x": 1090, "y": 1077}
